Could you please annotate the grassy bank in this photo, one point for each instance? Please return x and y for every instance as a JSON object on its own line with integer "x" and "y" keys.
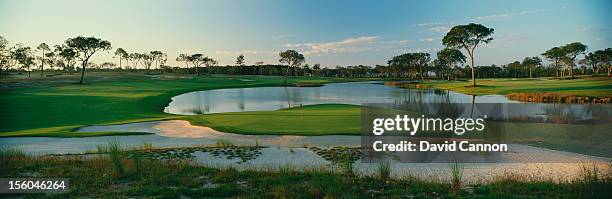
{"x": 593, "y": 87}
{"x": 55, "y": 106}
{"x": 325, "y": 119}
{"x": 117, "y": 175}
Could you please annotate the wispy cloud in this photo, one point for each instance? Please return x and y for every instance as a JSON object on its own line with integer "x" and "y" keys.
{"x": 435, "y": 24}
{"x": 283, "y": 36}
{"x": 508, "y": 40}
{"x": 348, "y": 45}
{"x": 440, "y": 29}
{"x": 507, "y": 15}
{"x": 416, "y": 50}
{"x": 244, "y": 52}
{"x": 430, "y": 39}
{"x": 592, "y": 29}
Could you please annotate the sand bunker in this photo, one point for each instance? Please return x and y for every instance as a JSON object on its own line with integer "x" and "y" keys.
{"x": 181, "y": 128}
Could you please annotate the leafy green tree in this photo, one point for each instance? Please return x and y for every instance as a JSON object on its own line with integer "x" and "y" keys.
{"x": 532, "y": 63}
{"x": 157, "y": 56}
{"x": 468, "y": 37}
{"x": 5, "y": 57}
{"x": 183, "y": 58}
{"x": 515, "y": 69}
{"x": 161, "y": 59}
{"x": 23, "y": 54}
{"x": 209, "y": 62}
{"x": 87, "y": 47}
{"x": 197, "y": 60}
{"x": 107, "y": 65}
{"x": 606, "y": 58}
{"x": 420, "y": 60}
{"x": 50, "y": 59}
{"x": 600, "y": 60}
{"x": 411, "y": 61}
{"x": 42, "y": 47}
{"x": 400, "y": 63}
{"x": 316, "y": 70}
{"x": 555, "y": 55}
{"x": 67, "y": 55}
{"x": 135, "y": 57}
{"x": 293, "y": 59}
{"x": 240, "y": 60}
{"x": 448, "y": 58}
{"x": 147, "y": 59}
{"x": 122, "y": 54}
{"x": 592, "y": 59}
{"x": 571, "y": 51}
{"x": 306, "y": 70}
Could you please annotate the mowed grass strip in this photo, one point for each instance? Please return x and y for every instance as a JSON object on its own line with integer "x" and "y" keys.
{"x": 324, "y": 119}
{"x": 592, "y": 87}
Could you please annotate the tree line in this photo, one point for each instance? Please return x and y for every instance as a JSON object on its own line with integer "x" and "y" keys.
{"x": 448, "y": 64}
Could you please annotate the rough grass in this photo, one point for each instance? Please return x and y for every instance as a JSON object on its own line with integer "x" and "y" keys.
{"x": 595, "y": 87}
{"x": 98, "y": 177}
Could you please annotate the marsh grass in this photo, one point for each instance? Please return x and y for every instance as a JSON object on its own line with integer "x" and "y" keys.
{"x": 147, "y": 146}
{"x": 224, "y": 143}
{"x": 384, "y": 170}
{"x": 285, "y": 169}
{"x": 346, "y": 164}
{"x": 592, "y": 179}
{"x": 6, "y": 153}
{"x": 456, "y": 176}
{"x": 116, "y": 155}
{"x": 95, "y": 177}
{"x": 137, "y": 164}
{"x": 12, "y": 157}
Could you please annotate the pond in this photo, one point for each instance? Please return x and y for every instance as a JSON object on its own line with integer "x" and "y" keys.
{"x": 274, "y": 98}
{"x": 364, "y": 93}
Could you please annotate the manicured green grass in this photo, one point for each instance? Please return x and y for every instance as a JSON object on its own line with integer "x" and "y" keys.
{"x": 120, "y": 176}
{"x": 49, "y": 108}
{"x": 324, "y": 119}
{"x": 595, "y": 87}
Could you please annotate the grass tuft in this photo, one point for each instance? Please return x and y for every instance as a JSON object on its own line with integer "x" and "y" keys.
{"x": 223, "y": 143}
{"x": 384, "y": 170}
{"x": 115, "y": 154}
{"x": 456, "y": 176}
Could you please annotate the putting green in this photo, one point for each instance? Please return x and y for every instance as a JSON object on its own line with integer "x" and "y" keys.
{"x": 324, "y": 119}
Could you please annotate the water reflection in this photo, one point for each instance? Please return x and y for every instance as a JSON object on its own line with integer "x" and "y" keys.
{"x": 274, "y": 98}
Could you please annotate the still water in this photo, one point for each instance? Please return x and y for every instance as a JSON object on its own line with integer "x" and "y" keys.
{"x": 274, "y": 98}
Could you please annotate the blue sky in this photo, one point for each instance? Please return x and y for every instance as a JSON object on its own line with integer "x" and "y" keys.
{"x": 337, "y": 32}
